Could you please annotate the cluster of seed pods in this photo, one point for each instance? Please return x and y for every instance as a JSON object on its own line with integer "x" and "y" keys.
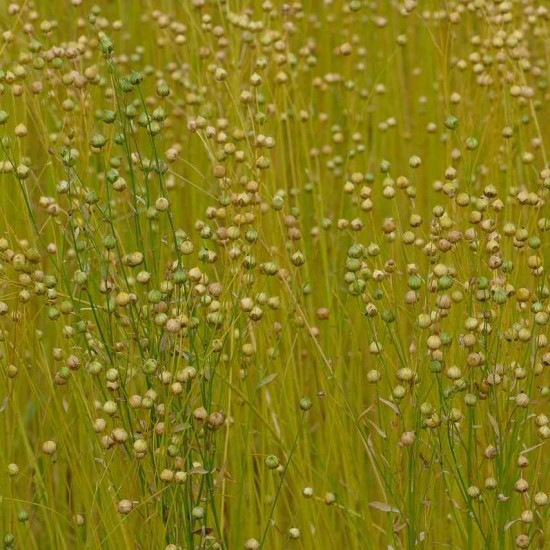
{"x": 273, "y": 272}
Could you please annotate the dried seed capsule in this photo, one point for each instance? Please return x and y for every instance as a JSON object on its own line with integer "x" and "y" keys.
{"x": 49, "y": 447}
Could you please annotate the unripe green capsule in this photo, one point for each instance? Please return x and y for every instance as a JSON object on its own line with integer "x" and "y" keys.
{"x": 154, "y": 296}
{"x": 180, "y": 276}
{"x": 53, "y": 313}
{"x": 277, "y": 203}
{"x": 305, "y": 403}
{"x": 415, "y": 282}
{"x": 451, "y": 122}
{"x": 109, "y": 116}
{"x": 507, "y": 266}
{"x": 472, "y": 143}
{"x": 355, "y": 251}
{"x": 534, "y": 242}
{"x": 446, "y": 339}
{"x": 95, "y": 368}
{"x": 22, "y": 516}
{"x": 251, "y": 236}
{"x": 80, "y": 278}
{"x": 163, "y": 90}
{"x": 64, "y": 373}
{"x": 388, "y": 316}
{"x": 150, "y": 366}
{"x": 357, "y": 287}
{"x": 50, "y": 281}
{"x": 353, "y": 264}
{"x": 385, "y": 167}
{"x": 470, "y": 400}
{"x": 436, "y": 367}
{"x": 378, "y": 294}
{"x": 444, "y": 283}
{"x": 483, "y": 283}
{"x": 272, "y": 462}
{"x": 298, "y": 259}
{"x": 98, "y": 140}
{"x": 426, "y": 409}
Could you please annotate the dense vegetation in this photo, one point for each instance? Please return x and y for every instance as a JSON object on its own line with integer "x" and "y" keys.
{"x": 274, "y": 275}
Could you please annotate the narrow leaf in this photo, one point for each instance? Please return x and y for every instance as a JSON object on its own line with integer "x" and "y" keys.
{"x": 389, "y": 404}
{"x": 494, "y": 424}
{"x": 267, "y": 380}
{"x": 384, "y": 507}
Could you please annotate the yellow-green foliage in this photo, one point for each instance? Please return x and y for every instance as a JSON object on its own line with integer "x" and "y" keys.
{"x": 274, "y": 274}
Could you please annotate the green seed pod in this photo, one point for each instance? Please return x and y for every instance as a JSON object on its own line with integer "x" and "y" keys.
{"x": 444, "y": 283}
{"x": 451, "y": 122}
{"x": 64, "y": 373}
{"x": 66, "y": 307}
{"x": 355, "y": 251}
{"x": 388, "y": 316}
{"x": 126, "y": 85}
{"x": 415, "y": 282}
{"x": 305, "y": 403}
{"x": 507, "y": 266}
{"x": 163, "y": 90}
{"x": 80, "y": 278}
{"x": 483, "y": 283}
{"x": 277, "y": 203}
{"x": 130, "y": 112}
{"x": 154, "y": 296}
{"x": 98, "y": 140}
{"x": 53, "y": 313}
{"x": 399, "y": 392}
{"x": 136, "y": 78}
{"x": 298, "y": 259}
{"x": 357, "y": 287}
{"x": 353, "y": 265}
{"x": 269, "y": 268}
{"x": 272, "y": 462}
{"x": 472, "y": 143}
{"x": 109, "y": 116}
{"x": 373, "y": 249}
{"x": 377, "y": 294}
{"x": 534, "y": 242}
{"x": 436, "y": 367}
{"x": 426, "y": 409}
{"x": 95, "y": 368}
{"x": 251, "y": 236}
{"x": 385, "y": 167}
{"x": 415, "y": 161}
{"x": 150, "y": 366}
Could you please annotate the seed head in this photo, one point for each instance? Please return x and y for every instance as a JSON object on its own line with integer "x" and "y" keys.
{"x": 521, "y": 486}
{"x": 272, "y": 462}
{"x": 49, "y": 447}
{"x": 125, "y": 506}
{"x": 408, "y": 439}
{"x": 294, "y": 533}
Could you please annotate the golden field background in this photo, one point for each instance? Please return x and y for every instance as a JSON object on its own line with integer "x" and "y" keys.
{"x": 274, "y": 274}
